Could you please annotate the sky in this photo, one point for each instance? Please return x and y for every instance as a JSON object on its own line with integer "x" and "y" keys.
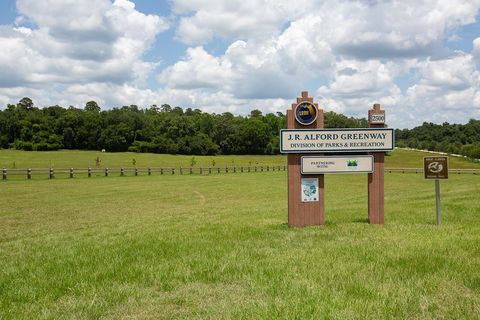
{"x": 419, "y": 59}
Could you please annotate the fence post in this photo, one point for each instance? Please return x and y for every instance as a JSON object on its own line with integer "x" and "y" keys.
{"x": 181, "y": 170}
{"x": 161, "y": 170}
{"x": 218, "y": 169}
{"x": 201, "y": 170}
{"x": 89, "y": 172}
{"x": 234, "y": 169}
{"x": 136, "y": 171}
{"x": 241, "y": 169}
{"x": 191, "y": 170}
{"x": 106, "y": 172}
{"x": 226, "y": 169}
{"x": 4, "y": 173}
{"x": 268, "y": 168}
{"x": 173, "y": 170}
{"x": 71, "y": 172}
{"x": 149, "y": 171}
{"x": 121, "y": 172}
{"x": 29, "y": 173}
{"x": 51, "y": 173}
{"x": 255, "y": 168}
{"x": 209, "y": 170}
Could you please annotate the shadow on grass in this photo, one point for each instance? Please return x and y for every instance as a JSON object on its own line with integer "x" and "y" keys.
{"x": 360, "y": 220}
{"x": 326, "y": 224}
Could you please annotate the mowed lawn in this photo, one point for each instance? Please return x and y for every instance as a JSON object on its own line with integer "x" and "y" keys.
{"x": 218, "y": 247}
{"x": 10, "y": 159}
{"x": 85, "y": 159}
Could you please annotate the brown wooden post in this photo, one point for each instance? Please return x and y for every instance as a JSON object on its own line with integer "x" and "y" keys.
{"x": 303, "y": 213}
{"x": 376, "y": 179}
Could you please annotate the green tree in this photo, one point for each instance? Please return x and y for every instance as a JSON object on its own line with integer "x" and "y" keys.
{"x": 92, "y": 106}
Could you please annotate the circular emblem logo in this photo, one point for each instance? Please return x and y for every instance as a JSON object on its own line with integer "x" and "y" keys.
{"x": 306, "y": 113}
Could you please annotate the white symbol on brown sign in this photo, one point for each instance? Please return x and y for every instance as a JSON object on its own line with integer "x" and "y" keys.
{"x": 435, "y": 167}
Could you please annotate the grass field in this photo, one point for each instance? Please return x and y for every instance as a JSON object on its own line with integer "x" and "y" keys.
{"x": 218, "y": 247}
{"x": 83, "y": 159}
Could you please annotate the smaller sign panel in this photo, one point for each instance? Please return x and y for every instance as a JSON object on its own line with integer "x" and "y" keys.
{"x": 377, "y": 118}
{"x": 334, "y": 164}
{"x": 309, "y": 190}
{"x": 435, "y": 167}
{"x": 306, "y": 113}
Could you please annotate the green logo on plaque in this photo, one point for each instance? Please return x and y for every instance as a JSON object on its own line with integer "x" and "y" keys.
{"x": 352, "y": 163}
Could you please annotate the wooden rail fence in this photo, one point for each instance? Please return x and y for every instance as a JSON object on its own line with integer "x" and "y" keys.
{"x": 123, "y": 171}
{"x": 89, "y": 172}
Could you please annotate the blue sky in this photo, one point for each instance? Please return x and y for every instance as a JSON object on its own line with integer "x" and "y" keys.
{"x": 419, "y": 59}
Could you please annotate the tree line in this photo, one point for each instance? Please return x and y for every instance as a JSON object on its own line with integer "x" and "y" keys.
{"x": 156, "y": 129}
{"x": 166, "y": 129}
{"x": 463, "y": 139}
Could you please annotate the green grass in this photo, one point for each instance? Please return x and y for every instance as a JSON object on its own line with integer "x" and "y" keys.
{"x": 401, "y": 158}
{"x": 83, "y": 159}
{"x": 218, "y": 247}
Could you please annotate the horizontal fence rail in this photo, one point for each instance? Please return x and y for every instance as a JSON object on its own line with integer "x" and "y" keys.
{"x": 51, "y": 173}
{"x": 420, "y": 170}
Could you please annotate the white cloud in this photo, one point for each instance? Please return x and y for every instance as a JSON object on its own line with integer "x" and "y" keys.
{"x": 395, "y": 29}
{"x": 77, "y": 42}
{"x": 361, "y": 29}
{"x": 358, "y": 49}
{"x": 357, "y": 84}
{"x": 347, "y": 53}
{"x": 275, "y": 68}
{"x": 198, "y": 70}
{"x": 201, "y": 21}
{"x": 449, "y": 90}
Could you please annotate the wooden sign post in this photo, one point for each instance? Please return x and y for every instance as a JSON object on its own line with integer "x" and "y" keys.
{"x": 312, "y": 212}
{"x": 376, "y": 119}
{"x": 350, "y": 151}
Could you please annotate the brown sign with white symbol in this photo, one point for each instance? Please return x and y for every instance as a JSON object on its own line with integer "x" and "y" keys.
{"x": 435, "y": 167}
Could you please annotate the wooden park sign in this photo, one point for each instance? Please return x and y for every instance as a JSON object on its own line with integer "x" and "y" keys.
{"x": 350, "y": 151}
{"x": 436, "y": 168}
